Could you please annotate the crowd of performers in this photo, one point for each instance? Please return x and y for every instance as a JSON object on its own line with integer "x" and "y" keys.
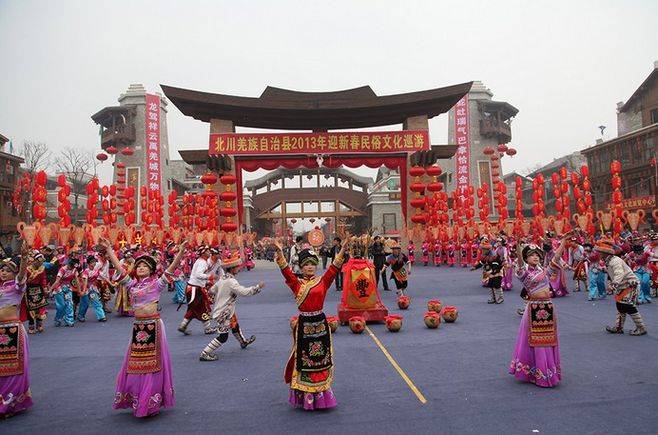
{"x": 76, "y": 280}
{"x": 205, "y": 280}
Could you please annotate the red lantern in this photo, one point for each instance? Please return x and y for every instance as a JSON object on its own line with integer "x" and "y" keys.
{"x": 102, "y": 157}
{"x": 417, "y": 202}
{"x": 616, "y": 182}
{"x": 435, "y": 187}
{"x": 511, "y": 152}
{"x": 555, "y": 178}
{"x": 227, "y": 211}
{"x": 229, "y": 227}
{"x": 494, "y": 158}
{"x": 502, "y": 148}
{"x": 488, "y": 151}
{"x": 227, "y": 179}
{"x": 111, "y": 150}
{"x": 615, "y": 167}
{"x": 120, "y": 165}
{"x": 417, "y": 187}
{"x": 209, "y": 178}
{"x": 419, "y": 218}
{"x": 434, "y": 171}
{"x": 584, "y": 170}
{"x": 127, "y": 151}
{"x": 416, "y": 171}
{"x": 563, "y": 173}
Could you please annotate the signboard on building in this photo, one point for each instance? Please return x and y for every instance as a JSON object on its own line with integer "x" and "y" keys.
{"x": 462, "y": 139}
{"x": 152, "y": 129}
{"x": 319, "y": 143}
{"x": 637, "y": 202}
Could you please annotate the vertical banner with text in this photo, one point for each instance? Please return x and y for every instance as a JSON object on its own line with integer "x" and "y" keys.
{"x": 462, "y": 139}
{"x": 152, "y": 142}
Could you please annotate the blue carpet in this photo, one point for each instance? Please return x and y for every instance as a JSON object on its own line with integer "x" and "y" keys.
{"x": 610, "y": 383}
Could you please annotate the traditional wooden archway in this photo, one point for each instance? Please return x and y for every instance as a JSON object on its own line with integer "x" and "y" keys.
{"x": 319, "y": 112}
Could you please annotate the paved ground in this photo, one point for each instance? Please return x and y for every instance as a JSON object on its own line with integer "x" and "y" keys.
{"x": 610, "y": 383}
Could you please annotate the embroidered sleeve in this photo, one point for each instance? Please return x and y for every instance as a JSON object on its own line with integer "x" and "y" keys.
{"x": 163, "y": 282}
{"x": 242, "y": 290}
{"x": 521, "y": 272}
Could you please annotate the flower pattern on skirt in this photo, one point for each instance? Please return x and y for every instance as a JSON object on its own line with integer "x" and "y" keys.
{"x": 519, "y": 367}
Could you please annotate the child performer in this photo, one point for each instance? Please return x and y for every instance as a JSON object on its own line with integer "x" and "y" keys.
{"x": 226, "y": 292}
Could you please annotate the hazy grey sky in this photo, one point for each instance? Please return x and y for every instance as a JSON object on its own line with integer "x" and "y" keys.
{"x": 563, "y": 64}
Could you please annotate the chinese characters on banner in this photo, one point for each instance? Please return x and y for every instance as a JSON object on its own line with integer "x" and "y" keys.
{"x": 637, "y": 202}
{"x": 462, "y": 139}
{"x": 319, "y": 143}
{"x": 153, "y": 142}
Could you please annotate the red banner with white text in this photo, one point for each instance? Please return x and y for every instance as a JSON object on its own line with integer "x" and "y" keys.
{"x": 319, "y": 143}
{"x": 153, "y": 176}
{"x": 462, "y": 139}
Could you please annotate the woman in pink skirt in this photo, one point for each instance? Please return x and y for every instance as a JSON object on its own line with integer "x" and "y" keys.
{"x": 15, "y": 395}
{"x": 145, "y": 383}
{"x": 537, "y": 354}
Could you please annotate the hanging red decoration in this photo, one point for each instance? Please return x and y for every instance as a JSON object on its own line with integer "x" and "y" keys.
{"x": 434, "y": 171}
{"x": 101, "y": 156}
{"x": 209, "y": 178}
{"x": 127, "y": 151}
{"x": 488, "y": 151}
{"x": 501, "y": 148}
{"x": 510, "y": 152}
{"x": 111, "y": 150}
{"x": 416, "y": 171}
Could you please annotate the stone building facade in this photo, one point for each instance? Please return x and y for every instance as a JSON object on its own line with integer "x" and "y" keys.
{"x": 384, "y": 203}
{"x": 125, "y": 126}
{"x": 489, "y": 125}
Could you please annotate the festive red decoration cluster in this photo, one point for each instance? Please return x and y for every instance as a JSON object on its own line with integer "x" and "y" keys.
{"x": 39, "y": 197}
{"x": 617, "y": 197}
{"x": 64, "y": 206}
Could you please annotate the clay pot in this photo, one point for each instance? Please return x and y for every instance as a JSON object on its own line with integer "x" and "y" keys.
{"x": 357, "y": 324}
{"x": 404, "y": 302}
{"x": 333, "y": 323}
{"x": 432, "y": 319}
{"x": 293, "y": 322}
{"x": 393, "y": 322}
{"x": 450, "y": 314}
{"x": 434, "y": 305}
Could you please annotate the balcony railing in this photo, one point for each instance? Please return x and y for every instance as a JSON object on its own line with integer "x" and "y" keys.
{"x": 119, "y": 136}
{"x": 493, "y": 128}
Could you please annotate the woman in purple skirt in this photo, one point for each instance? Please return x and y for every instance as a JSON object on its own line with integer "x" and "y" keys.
{"x": 145, "y": 382}
{"x": 537, "y": 354}
{"x": 15, "y": 393}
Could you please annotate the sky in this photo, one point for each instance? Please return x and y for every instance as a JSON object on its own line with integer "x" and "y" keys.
{"x": 563, "y": 64}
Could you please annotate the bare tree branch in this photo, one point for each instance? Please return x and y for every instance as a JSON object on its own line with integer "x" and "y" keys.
{"x": 36, "y": 154}
{"x": 74, "y": 164}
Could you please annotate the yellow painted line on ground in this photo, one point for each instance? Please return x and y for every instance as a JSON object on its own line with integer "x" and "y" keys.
{"x": 397, "y": 367}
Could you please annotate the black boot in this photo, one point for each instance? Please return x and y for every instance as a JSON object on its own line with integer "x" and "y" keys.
{"x": 237, "y": 333}
{"x": 618, "y": 328}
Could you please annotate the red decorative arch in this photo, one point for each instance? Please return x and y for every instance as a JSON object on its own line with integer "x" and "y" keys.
{"x": 398, "y": 162}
